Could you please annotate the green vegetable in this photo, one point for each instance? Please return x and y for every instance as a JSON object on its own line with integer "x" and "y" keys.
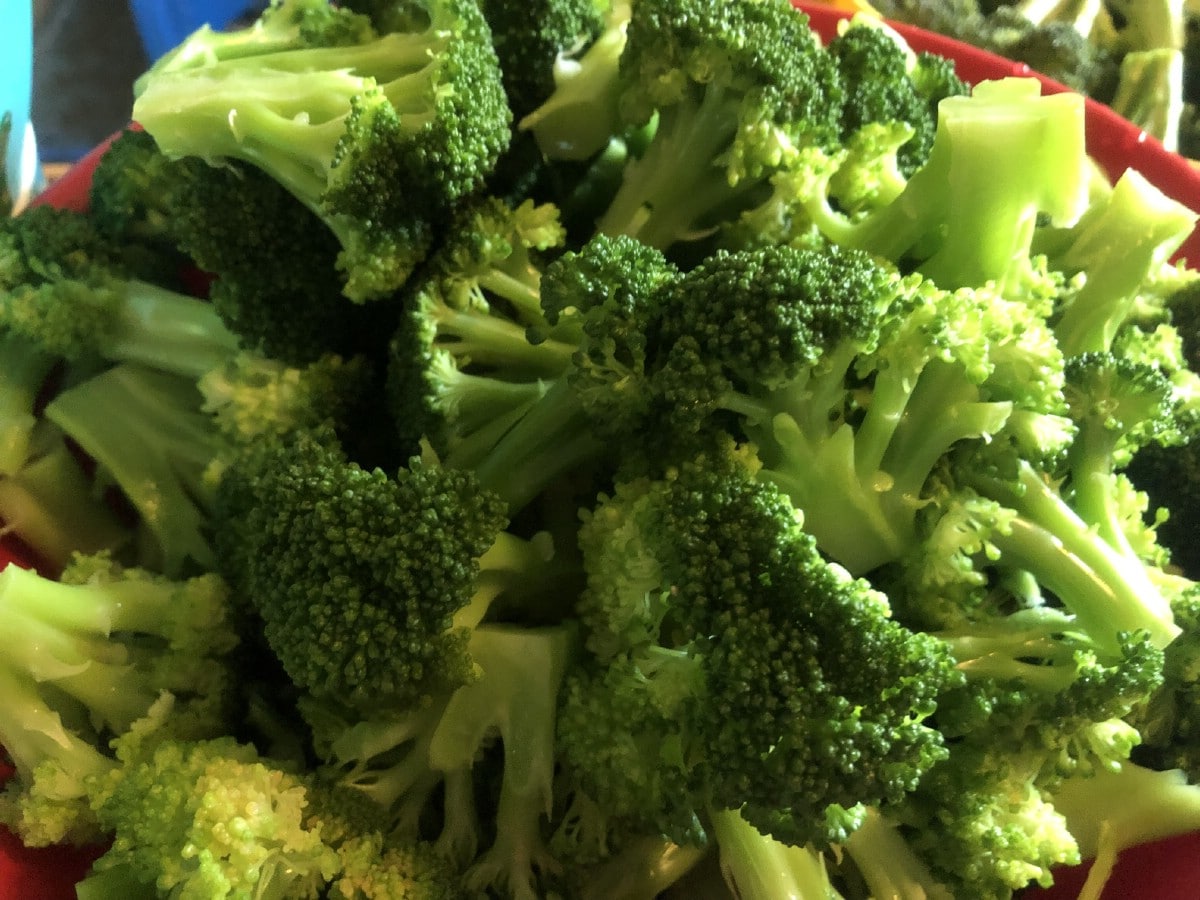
{"x": 616, "y": 451}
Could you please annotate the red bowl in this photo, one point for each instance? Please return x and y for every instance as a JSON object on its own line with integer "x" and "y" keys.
{"x": 1167, "y": 869}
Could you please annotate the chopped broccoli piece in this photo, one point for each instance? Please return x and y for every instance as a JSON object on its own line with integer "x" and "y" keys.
{"x": 379, "y": 135}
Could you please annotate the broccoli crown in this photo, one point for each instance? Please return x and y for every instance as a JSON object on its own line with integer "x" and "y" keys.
{"x": 357, "y": 574}
{"x": 127, "y": 201}
{"x": 277, "y": 286}
{"x": 732, "y": 93}
{"x": 737, "y": 667}
{"x": 607, "y": 296}
{"x": 884, "y": 82}
{"x": 378, "y": 136}
{"x": 759, "y": 56}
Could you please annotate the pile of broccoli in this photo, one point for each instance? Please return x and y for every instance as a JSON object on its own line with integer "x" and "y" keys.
{"x": 595, "y": 449}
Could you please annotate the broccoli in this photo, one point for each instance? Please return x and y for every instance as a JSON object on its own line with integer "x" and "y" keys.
{"x": 1167, "y": 722}
{"x": 276, "y": 286}
{"x": 47, "y": 499}
{"x": 128, "y": 204}
{"x": 716, "y": 634}
{"x": 580, "y": 117}
{"x": 378, "y": 133}
{"x": 532, "y": 39}
{"x": 983, "y": 229}
{"x": 515, "y": 368}
{"x": 1116, "y": 810}
{"x": 65, "y": 287}
{"x": 1070, "y": 530}
{"x": 884, "y": 82}
{"x": 215, "y": 817}
{"x": 155, "y": 452}
{"x": 733, "y": 93}
{"x": 1148, "y": 227}
{"x": 408, "y": 561}
{"x": 90, "y": 655}
{"x": 851, "y": 380}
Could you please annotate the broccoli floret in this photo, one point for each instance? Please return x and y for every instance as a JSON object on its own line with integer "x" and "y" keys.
{"x": 532, "y": 39}
{"x": 1072, "y": 530}
{"x": 89, "y": 655}
{"x": 275, "y": 284}
{"x": 215, "y": 817}
{"x": 755, "y": 865}
{"x": 512, "y": 367}
{"x": 734, "y": 91}
{"x": 379, "y": 136}
{"x": 65, "y": 288}
{"x": 127, "y": 201}
{"x": 885, "y": 82}
{"x": 348, "y": 567}
{"x": 1168, "y": 722}
{"x": 851, "y": 380}
{"x": 210, "y": 818}
{"x": 715, "y": 629}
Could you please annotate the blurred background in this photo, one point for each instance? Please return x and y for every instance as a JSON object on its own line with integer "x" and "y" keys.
{"x": 87, "y": 53}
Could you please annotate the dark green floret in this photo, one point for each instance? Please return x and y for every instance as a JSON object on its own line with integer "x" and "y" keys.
{"x": 715, "y": 681}
{"x": 734, "y": 91}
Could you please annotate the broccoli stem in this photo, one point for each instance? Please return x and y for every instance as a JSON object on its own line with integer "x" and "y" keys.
{"x": 32, "y": 733}
{"x": 1024, "y": 646}
{"x": 553, "y": 437}
{"x": 52, "y": 507}
{"x": 642, "y": 869}
{"x": 1123, "y": 241}
{"x": 1108, "y": 593}
{"x": 26, "y": 369}
{"x": 493, "y": 341}
{"x": 169, "y": 331}
{"x": 758, "y": 867}
{"x": 1111, "y": 810}
{"x": 666, "y": 191}
{"x": 887, "y": 864}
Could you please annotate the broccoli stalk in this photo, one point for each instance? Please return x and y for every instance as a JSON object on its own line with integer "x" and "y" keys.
{"x": 50, "y": 504}
{"x": 156, "y": 452}
{"x": 1111, "y": 811}
{"x": 1123, "y": 241}
{"x": 755, "y": 865}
